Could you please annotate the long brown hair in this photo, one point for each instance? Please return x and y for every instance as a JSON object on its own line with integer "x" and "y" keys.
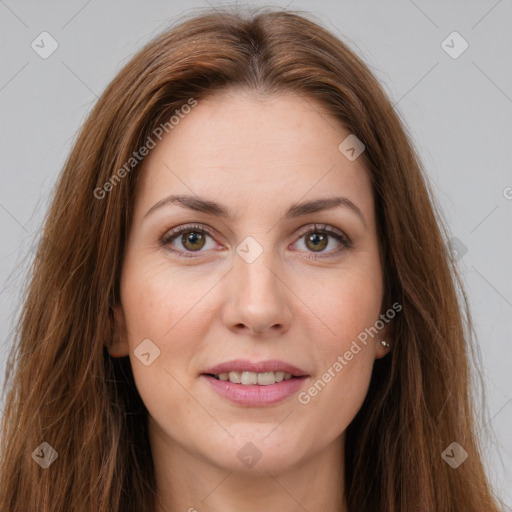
{"x": 64, "y": 389}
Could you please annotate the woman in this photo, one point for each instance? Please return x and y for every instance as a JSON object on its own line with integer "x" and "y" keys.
{"x": 242, "y": 299}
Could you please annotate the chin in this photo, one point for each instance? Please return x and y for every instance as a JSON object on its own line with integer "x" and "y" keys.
{"x": 257, "y": 453}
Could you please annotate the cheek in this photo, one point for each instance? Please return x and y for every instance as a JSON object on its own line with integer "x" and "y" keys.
{"x": 172, "y": 308}
{"x": 345, "y": 306}
{"x": 161, "y": 301}
{"x": 161, "y": 313}
{"x": 334, "y": 398}
{"x": 335, "y": 394}
{"x": 348, "y": 307}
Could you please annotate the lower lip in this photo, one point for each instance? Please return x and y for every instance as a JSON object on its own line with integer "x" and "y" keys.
{"x": 256, "y": 395}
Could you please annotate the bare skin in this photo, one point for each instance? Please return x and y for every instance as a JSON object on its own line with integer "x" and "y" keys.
{"x": 256, "y": 156}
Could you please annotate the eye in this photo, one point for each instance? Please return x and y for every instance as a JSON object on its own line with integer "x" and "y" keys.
{"x": 193, "y": 239}
{"x": 317, "y": 238}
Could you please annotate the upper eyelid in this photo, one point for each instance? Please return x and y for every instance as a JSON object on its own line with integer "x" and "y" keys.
{"x": 302, "y": 231}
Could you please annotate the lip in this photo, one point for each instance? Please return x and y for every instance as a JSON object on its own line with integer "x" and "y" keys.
{"x": 243, "y": 365}
{"x": 256, "y": 395}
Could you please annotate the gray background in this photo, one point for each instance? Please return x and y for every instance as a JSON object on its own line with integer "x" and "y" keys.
{"x": 458, "y": 113}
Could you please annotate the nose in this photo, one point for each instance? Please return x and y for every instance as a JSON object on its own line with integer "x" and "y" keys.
{"x": 258, "y": 299}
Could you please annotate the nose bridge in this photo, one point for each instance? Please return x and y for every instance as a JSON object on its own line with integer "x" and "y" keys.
{"x": 258, "y": 294}
{"x": 255, "y": 266}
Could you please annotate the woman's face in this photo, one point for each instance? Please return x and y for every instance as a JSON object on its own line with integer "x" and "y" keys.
{"x": 268, "y": 286}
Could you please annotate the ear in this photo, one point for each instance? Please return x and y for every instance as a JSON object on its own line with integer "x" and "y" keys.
{"x": 118, "y": 346}
{"x": 385, "y": 335}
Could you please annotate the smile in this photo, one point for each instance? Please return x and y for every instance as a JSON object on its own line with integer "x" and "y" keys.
{"x": 252, "y": 378}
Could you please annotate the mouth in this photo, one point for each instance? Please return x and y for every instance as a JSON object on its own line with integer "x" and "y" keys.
{"x": 249, "y": 373}
{"x": 248, "y": 378}
{"x": 255, "y": 384}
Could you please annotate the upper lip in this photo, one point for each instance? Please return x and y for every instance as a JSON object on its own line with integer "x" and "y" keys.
{"x": 243, "y": 365}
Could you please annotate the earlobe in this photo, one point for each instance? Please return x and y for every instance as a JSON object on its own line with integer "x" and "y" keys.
{"x": 384, "y": 342}
{"x": 383, "y": 348}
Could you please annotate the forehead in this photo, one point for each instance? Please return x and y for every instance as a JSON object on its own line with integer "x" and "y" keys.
{"x": 240, "y": 146}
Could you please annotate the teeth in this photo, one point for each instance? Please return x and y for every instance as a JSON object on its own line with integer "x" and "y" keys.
{"x": 264, "y": 379}
{"x": 249, "y": 378}
{"x": 235, "y": 377}
{"x": 252, "y": 378}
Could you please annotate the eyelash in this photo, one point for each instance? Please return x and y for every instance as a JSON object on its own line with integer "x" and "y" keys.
{"x": 323, "y": 229}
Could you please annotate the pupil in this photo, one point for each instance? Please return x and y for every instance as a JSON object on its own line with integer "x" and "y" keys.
{"x": 192, "y": 238}
{"x": 315, "y": 239}
{"x": 319, "y": 241}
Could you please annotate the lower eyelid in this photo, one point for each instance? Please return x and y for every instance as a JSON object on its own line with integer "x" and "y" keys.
{"x": 345, "y": 242}
{"x": 343, "y": 245}
{"x": 167, "y": 239}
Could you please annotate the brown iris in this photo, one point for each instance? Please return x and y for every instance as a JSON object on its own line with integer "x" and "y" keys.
{"x": 319, "y": 241}
{"x": 195, "y": 239}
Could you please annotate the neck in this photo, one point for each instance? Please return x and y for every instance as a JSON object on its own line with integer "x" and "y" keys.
{"x": 188, "y": 482}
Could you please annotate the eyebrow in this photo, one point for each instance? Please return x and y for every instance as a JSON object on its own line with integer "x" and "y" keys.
{"x": 210, "y": 207}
